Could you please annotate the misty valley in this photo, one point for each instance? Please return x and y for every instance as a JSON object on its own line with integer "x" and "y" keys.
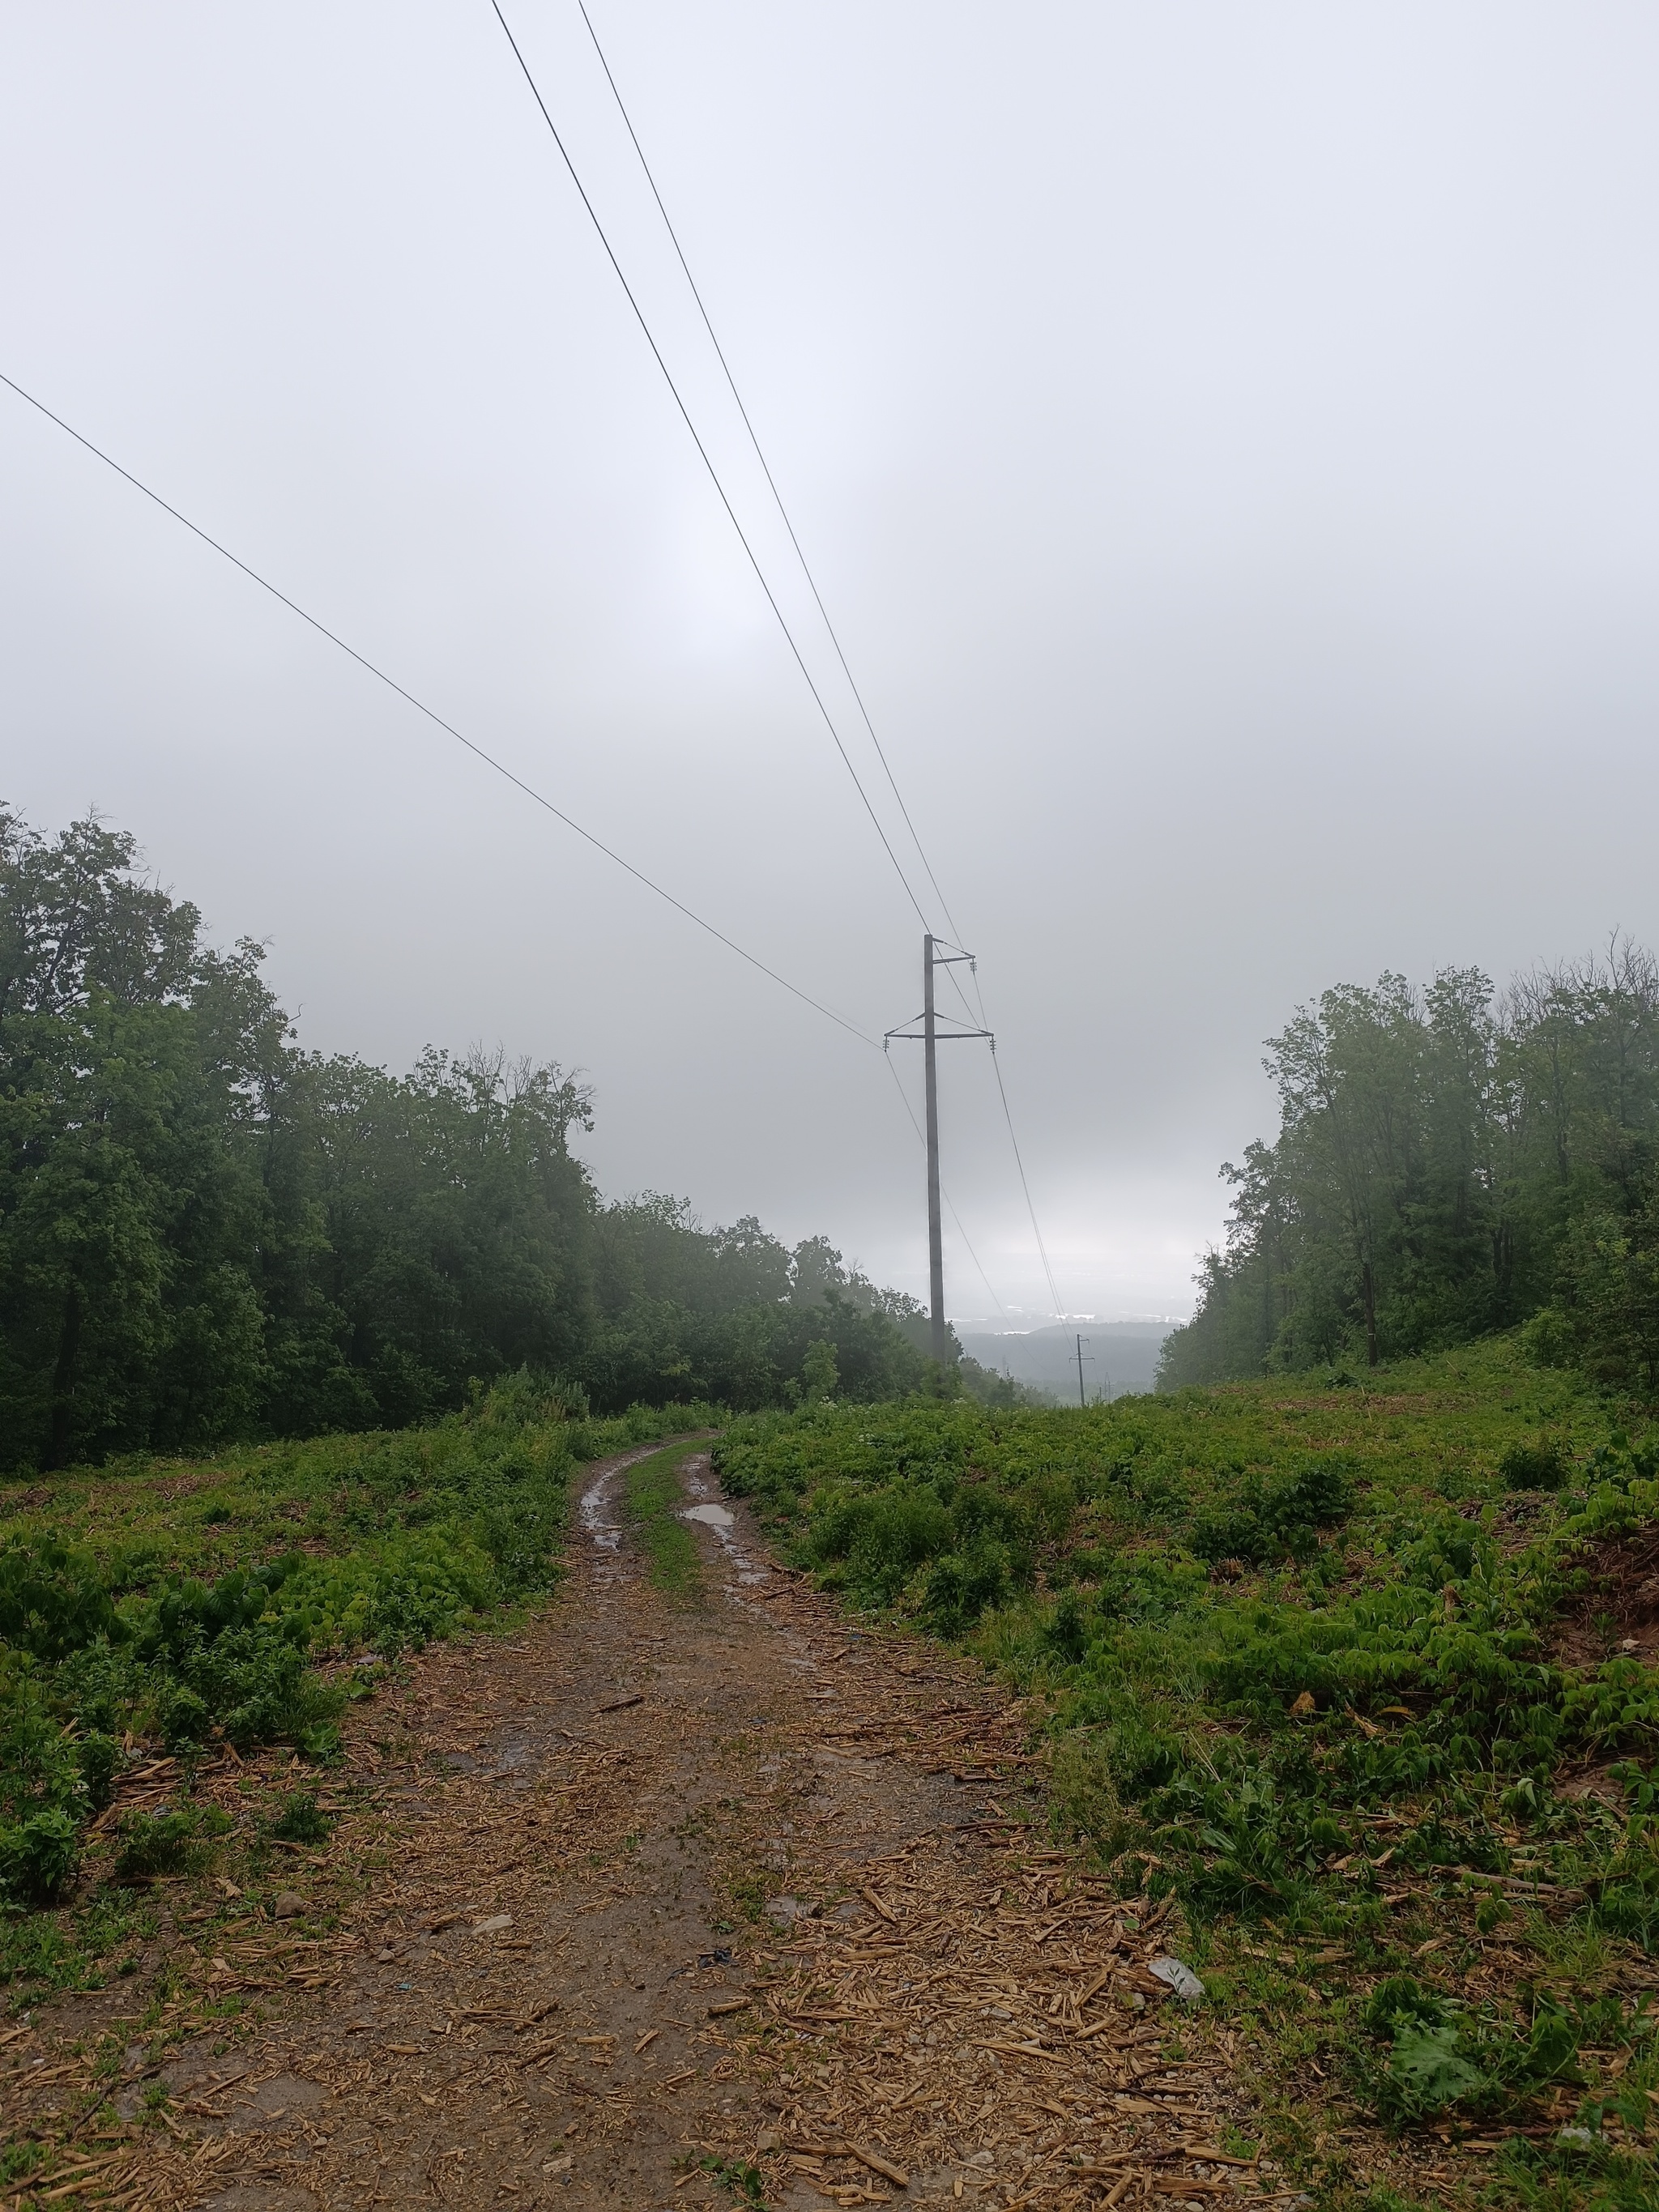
{"x": 1325, "y": 1630}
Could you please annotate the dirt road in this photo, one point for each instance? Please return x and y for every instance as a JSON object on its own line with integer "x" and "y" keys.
{"x": 652, "y": 1904}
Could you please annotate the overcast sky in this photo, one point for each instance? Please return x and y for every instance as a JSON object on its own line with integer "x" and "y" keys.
{"x": 1225, "y": 436}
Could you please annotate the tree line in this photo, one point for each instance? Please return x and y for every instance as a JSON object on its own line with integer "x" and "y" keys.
{"x": 1449, "y": 1161}
{"x": 208, "y": 1233}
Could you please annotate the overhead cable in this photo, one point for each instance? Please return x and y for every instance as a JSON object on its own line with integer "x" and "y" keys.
{"x": 489, "y": 761}
{"x": 945, "y": 1193}
{"x": 743, "y": 539}
{"x": 766, "y": 468}
{"x": 1042, "y": 1250}
{"x": 714, "y": 474}
{"x": 806, "y": 571}
{"x": 432, "y": 715}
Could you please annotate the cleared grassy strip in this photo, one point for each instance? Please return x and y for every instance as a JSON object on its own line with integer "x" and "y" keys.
{"x": 176, "y": 1607}
{"x": 1364, "y": 1677}
{"x": 654, "y": 1496}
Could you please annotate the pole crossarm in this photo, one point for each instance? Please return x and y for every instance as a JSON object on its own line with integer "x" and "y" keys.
{"x": 940, "y": 1036}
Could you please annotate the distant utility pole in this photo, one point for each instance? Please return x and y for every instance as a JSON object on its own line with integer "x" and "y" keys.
{"x": 930, "y": 1036}
{"x": 1081, "y": 1342}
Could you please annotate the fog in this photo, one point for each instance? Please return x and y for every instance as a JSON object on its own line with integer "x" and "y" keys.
{"x": 1224, "y": 439}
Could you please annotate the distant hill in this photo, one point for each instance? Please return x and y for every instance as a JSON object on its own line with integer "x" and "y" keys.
{"x": 1119, "y": 1356}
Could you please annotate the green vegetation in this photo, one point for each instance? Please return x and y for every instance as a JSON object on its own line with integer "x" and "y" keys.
{"x": 654, "y": 1497}
{"x": 1447, "y": 1165}
{"x": 1364, "y": 1676}
{"x": 207, "y": 1234}
{"x": 746, "y": 2183}
{"x": 183, "y": 1604}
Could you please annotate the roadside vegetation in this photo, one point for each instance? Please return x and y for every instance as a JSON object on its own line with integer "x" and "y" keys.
{"x": 161, "y": 1611}
{"x": 1345, "y": 1644}
{"x": 1362, "y": 1676}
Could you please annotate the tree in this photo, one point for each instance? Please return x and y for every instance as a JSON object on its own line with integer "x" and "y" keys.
{"x": 1434, "y": 1150}
{"x": 206, "y": 1232}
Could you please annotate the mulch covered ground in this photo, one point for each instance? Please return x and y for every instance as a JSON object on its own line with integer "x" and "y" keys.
{"x": 647, "y": 1905}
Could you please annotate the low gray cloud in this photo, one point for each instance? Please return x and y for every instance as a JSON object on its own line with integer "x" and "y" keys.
{"x": 1224, "y": 439}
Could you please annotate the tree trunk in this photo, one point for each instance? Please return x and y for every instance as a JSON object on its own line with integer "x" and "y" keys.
{"x": 1369, "y": 1287}
{"x": 63, "y": 1383}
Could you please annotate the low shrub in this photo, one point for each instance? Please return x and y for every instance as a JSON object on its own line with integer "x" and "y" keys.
{"x": 149, "y": 1845}
{"x": 1537, "y": 1464}
{"x": 203, "y": 1625}
{"x": 302, "y": 1821}
{"x": 38, "y": 1856}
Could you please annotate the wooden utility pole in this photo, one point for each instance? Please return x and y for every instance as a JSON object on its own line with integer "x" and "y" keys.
{"x": 1081, "y": 1398}
{"x": 930, "y": 1036}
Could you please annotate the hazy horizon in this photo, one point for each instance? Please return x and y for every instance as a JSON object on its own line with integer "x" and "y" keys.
{"x": 1224, "y": 444}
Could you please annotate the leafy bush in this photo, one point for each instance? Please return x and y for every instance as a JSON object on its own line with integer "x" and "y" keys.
{"x": 964, "y": 1584}
{"x": 152, "y": 1843}
{"x": 204, "y": 1625}
{"x": 1537, "y": 1465}
{"x": 53, "y": 1601}
{"x": 38, "y": 1856}
{"x": 1260, "y": 1521}
{"x": 302, "y": 1821}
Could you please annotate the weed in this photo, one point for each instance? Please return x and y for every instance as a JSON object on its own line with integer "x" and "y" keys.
{"x": 150, "y": 1845}
{"x": 746, "y": 2183}
{"x": 18, "y": 2161}
{"x": 1301, "y": 1659}
{"x": 302, "y": 1821}
{"x": 1540, "y": 1464}
{"x": 120, "y": 1614}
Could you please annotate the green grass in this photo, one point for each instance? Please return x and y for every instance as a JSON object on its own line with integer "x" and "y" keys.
{"x": 1297, "y": 1647}
{"x": 654, "y": 1497}
{"x": 172, "y": 1605}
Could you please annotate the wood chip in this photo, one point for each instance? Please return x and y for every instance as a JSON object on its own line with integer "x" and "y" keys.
{"x": 876, "y": 2164}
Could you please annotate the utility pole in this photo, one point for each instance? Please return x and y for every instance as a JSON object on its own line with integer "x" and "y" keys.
{"x": 1081, "y": 1400}
{"x": 930, "y": 1036}
{"x": 935, "y": 1228}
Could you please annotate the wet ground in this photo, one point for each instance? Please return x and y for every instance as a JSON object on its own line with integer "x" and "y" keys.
{"x": 649, "y": 1904}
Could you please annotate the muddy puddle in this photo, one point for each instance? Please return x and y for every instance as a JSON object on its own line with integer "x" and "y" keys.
{"x": 706, "y": 1511}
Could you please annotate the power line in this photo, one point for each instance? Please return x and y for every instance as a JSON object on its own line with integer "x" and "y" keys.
{"x": 489, "y": 760}
{"x": 954, "y": 1216}
{"x": 753, "y": 440}
{"x": 766, "y": 468}
{"x": 771, "y": 482}
{"x": 1007, "y": 1115}
{"x": 432, "y": 715}
{"x": 714, "y": 474}
{"x": 1042, "y": 1250}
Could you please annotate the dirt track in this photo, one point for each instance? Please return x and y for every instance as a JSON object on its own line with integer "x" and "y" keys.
{"x": 649, "y": 1887}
